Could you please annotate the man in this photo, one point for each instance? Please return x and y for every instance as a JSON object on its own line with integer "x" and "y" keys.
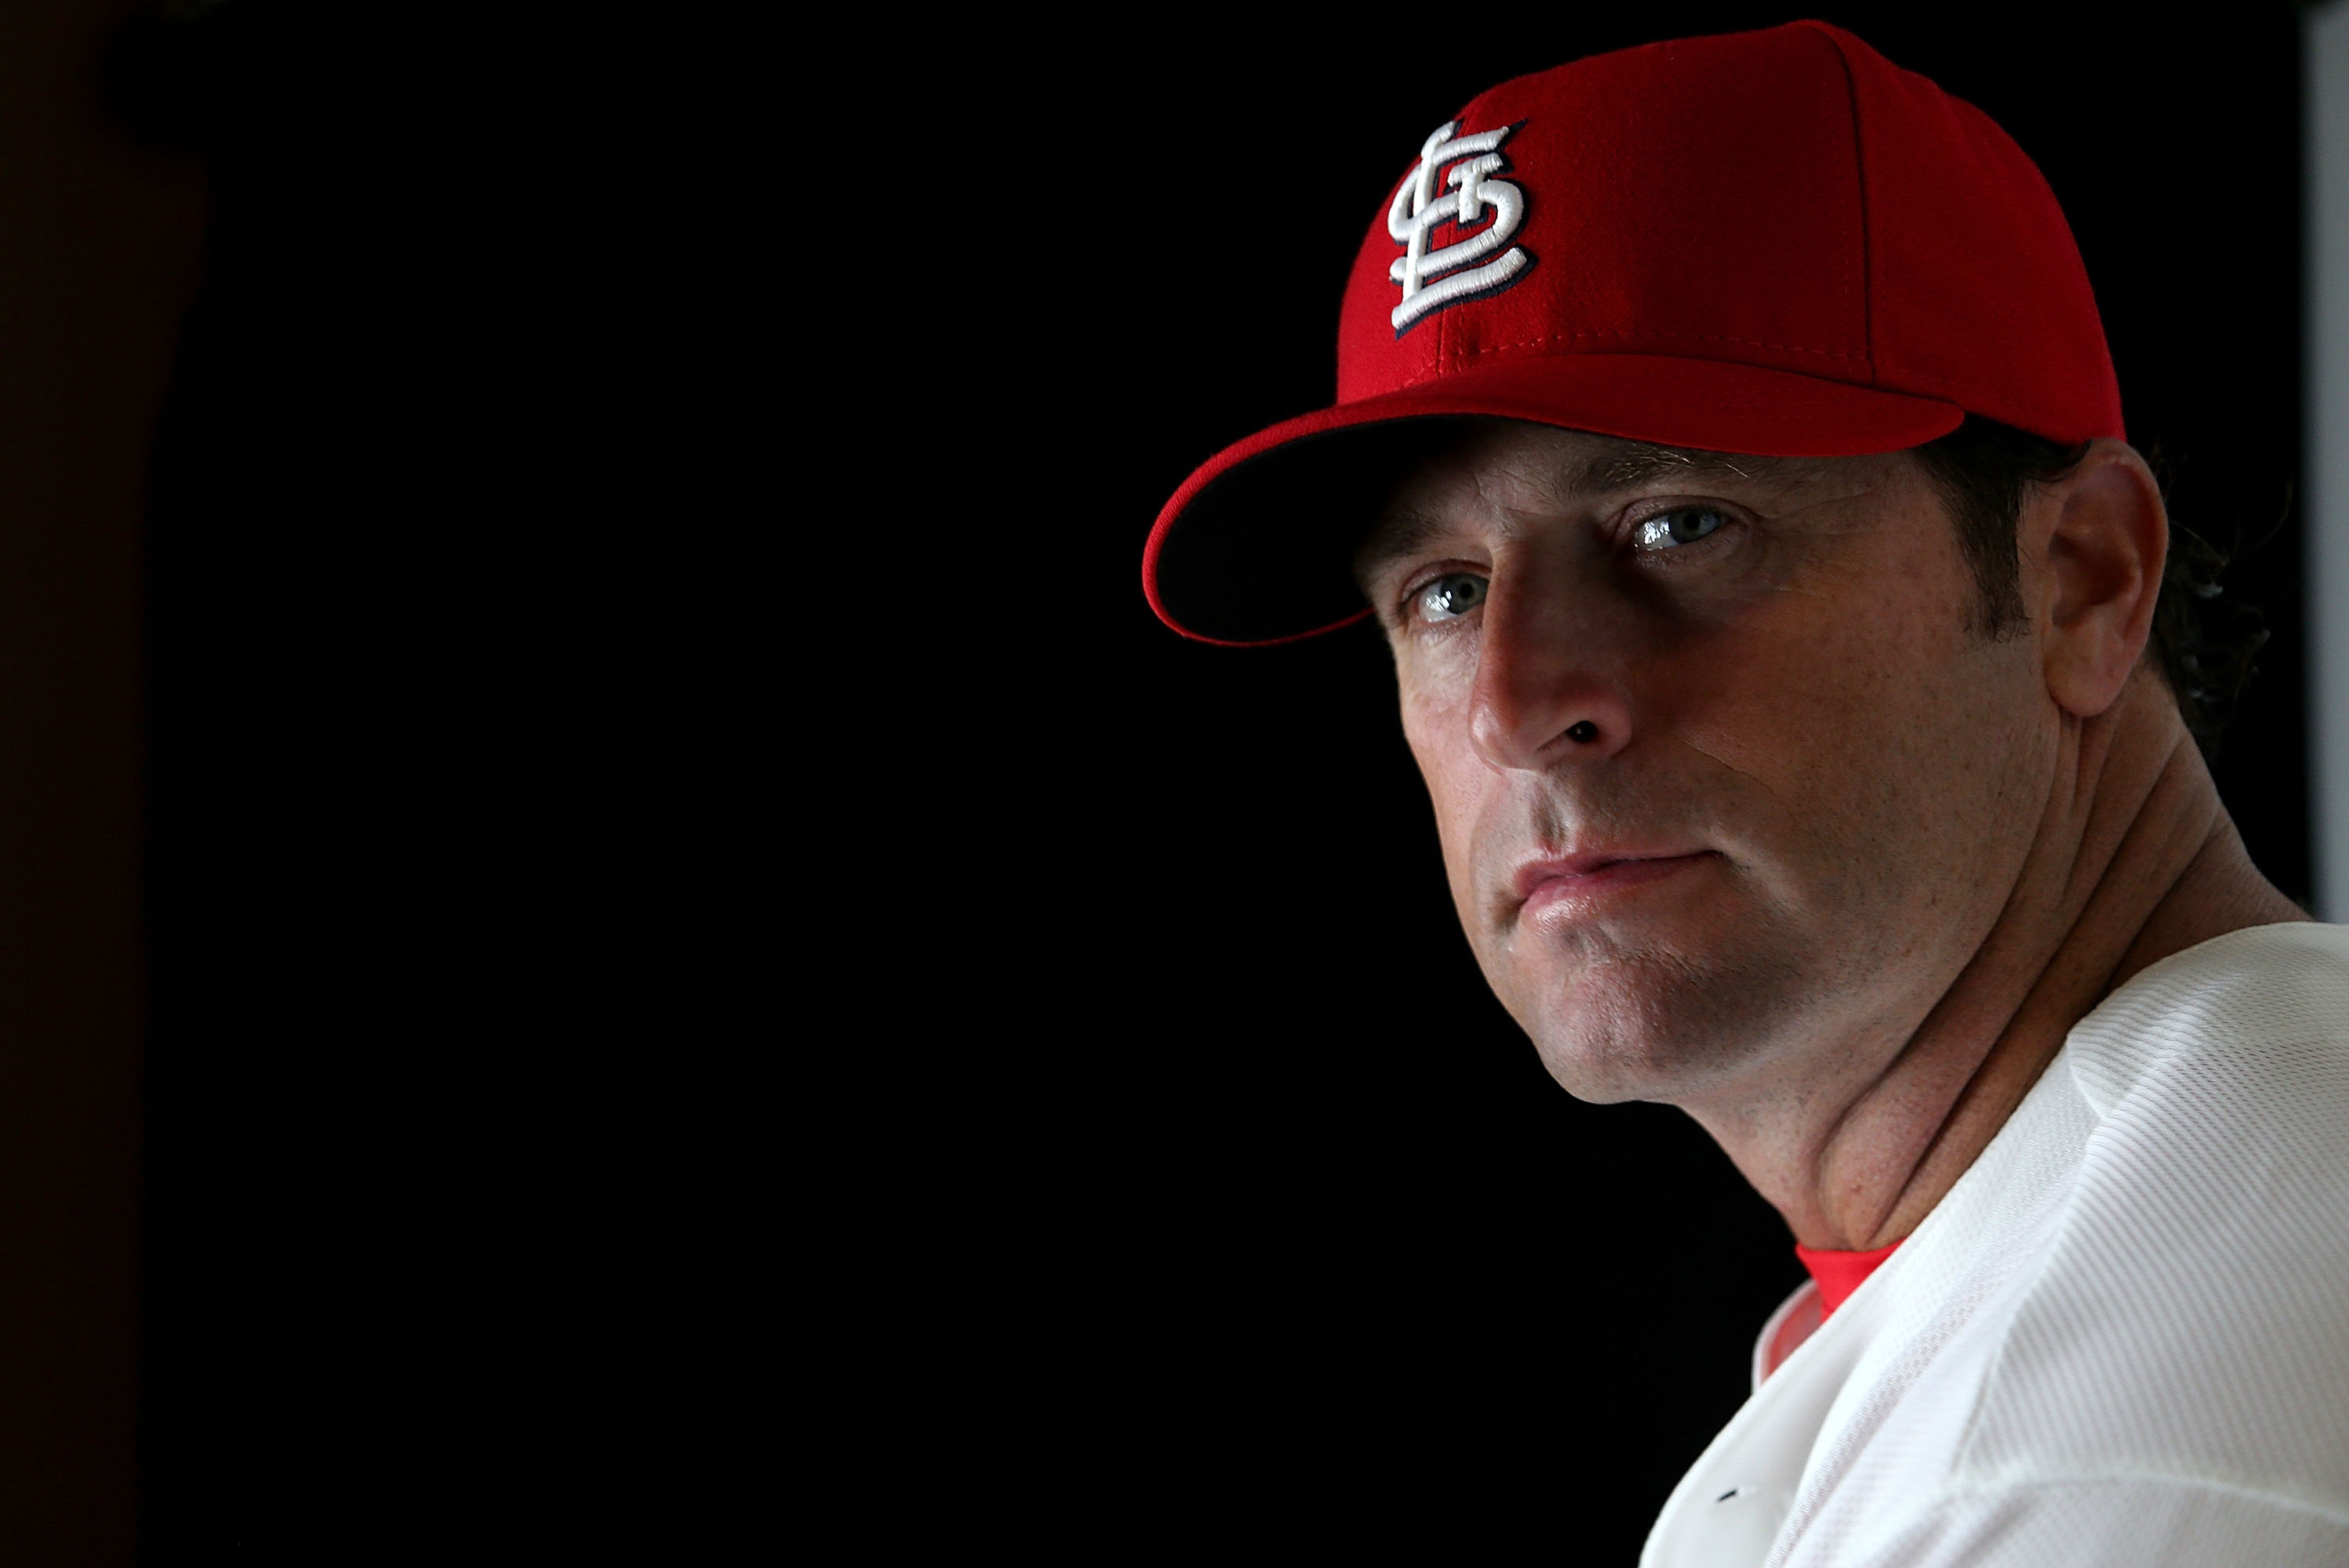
{"x": 1727, "y": 444}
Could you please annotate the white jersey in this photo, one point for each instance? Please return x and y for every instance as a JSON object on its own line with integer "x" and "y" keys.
{"x": 2123, "y": 1337}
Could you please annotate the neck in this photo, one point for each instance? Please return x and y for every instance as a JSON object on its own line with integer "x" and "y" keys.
{"x": 2135, "y": 858}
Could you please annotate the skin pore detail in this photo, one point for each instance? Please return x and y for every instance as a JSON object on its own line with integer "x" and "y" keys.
{"x": 1742, "y": 812}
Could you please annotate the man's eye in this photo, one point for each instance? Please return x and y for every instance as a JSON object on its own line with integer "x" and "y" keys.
{"x": 1451, "y": 596}
{"x": 1682, "y": 525}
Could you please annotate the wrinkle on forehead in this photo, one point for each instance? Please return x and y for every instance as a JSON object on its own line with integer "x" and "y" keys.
{"x": 1606, "y": 464}
{"x": 1592, "y": 466}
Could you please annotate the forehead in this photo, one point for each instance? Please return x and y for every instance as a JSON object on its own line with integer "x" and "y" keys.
{"x": 1512, "y": 464}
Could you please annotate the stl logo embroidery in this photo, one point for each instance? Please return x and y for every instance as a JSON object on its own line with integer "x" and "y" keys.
{"x": 1430, "y": 277}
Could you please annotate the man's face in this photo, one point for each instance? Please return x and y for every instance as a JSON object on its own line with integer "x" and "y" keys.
{"x": 1731, "y": 785}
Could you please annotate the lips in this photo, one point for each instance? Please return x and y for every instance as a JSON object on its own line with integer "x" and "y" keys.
{"x": 1565, "y": 882}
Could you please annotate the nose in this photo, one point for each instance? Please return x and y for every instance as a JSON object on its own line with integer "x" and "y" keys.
{"x": 1543, "y": 694}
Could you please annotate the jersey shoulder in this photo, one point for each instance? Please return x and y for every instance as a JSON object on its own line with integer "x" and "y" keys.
{"x": 2190, "y": 1317}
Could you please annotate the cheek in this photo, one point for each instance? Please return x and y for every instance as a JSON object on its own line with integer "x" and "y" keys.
{"x": 1834, "y": 685}
{"x": 1437, "y": 733}
{"x": 1899, "y": 748}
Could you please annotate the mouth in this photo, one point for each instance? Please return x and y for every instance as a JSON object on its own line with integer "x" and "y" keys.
{"x": 1570, "y": 885}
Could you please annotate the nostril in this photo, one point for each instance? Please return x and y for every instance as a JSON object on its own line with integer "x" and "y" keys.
{"x": 1583, "y": 733}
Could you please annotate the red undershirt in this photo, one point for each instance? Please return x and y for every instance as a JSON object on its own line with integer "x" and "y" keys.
{"x": 1839, "y": 1274}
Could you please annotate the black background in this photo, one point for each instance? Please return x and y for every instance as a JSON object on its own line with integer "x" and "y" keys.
{"x": 1321, "y": 1257}
{"x": 575, "y": 418}
{"x": 456, "y": 789}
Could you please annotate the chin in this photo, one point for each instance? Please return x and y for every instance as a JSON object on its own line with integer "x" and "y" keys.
{"x": 1653, "y": 1025}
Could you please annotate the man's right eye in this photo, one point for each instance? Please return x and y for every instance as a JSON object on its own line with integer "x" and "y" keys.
{"x": 1449, "y": 597}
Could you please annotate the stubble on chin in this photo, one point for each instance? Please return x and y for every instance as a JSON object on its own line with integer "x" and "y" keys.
{"x": 1616, "y": 1021}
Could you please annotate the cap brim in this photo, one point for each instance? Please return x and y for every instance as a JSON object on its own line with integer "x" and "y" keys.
{"x": 1257, "y": 546}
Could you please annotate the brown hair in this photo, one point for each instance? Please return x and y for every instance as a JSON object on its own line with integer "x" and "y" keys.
{"x": 2205, "y": 650}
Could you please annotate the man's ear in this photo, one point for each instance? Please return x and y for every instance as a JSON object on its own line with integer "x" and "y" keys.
{"x": 2093, "y": 545}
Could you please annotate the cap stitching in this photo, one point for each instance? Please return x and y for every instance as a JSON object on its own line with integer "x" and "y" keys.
{"x": 1866, "y": 229}
{"x": 1674, "y": 337}
{"x": 1913, "y": 374}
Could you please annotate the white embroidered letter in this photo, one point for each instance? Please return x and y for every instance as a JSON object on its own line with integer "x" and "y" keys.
{"x": 1430, "y": 277}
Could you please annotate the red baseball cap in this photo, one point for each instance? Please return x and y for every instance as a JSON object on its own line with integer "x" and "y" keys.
{"x": 1776, "y": 243}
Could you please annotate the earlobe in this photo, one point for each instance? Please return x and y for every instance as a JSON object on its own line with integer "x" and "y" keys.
{"x": 2102, "y": 538}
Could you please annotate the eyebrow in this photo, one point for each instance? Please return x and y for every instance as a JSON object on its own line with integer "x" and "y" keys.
{"x": 1396, "y": 534}
{"x": 1628, "y": 467}
{"x": 1625, "y": 466}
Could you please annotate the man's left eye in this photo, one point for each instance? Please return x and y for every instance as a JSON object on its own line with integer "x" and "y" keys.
{"x": 1682, "y": 525}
